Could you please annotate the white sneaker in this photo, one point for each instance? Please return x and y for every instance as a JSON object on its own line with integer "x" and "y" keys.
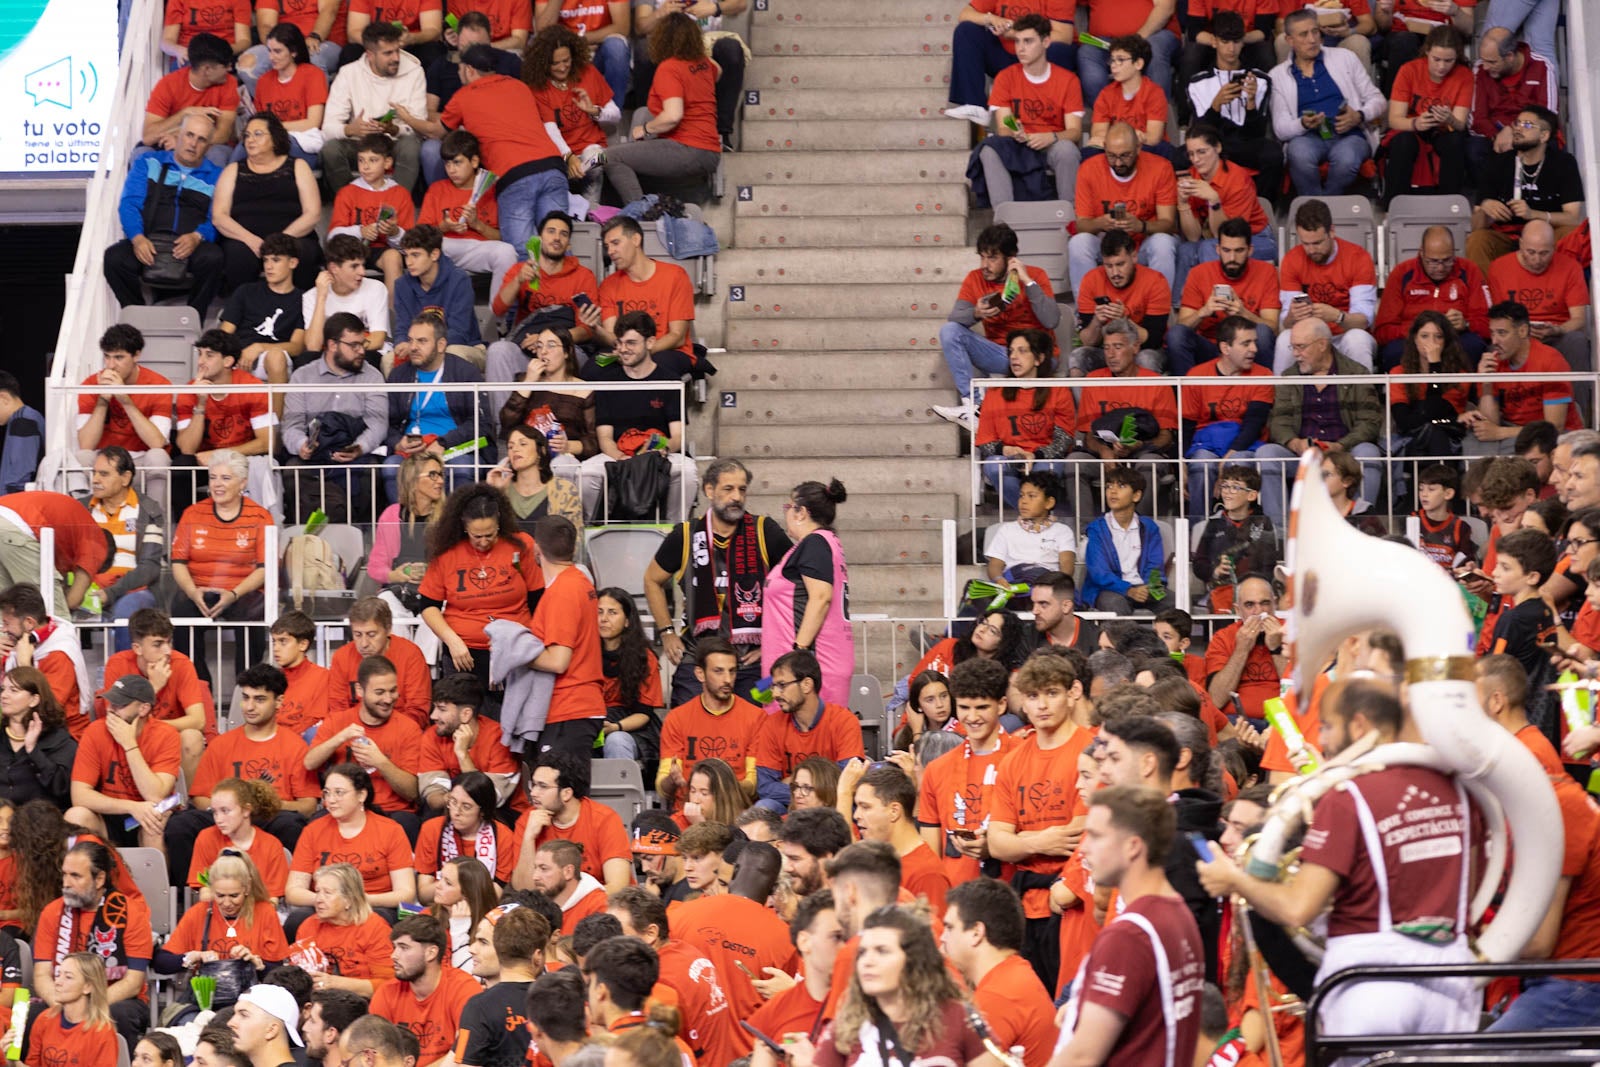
{"x": 971, "y": 112}
{"x": 962, "y": 414}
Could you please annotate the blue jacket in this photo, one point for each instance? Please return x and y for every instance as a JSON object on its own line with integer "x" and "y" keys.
{"x": 19, "y": 461}
{"x": 1103, "y": 570}
{"x": 455, "y": 369}
{"x": 451, "y": 296}
{"x": 182, "y": 205}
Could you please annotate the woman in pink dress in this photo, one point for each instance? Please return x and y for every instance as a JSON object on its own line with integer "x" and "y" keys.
{"x": 807, "y": 602}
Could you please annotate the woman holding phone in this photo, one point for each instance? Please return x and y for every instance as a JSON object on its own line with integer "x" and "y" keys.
{"x": 1429, "y": 107}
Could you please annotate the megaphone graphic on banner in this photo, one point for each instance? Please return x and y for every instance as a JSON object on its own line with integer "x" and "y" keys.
{"x": 51, "y": 84}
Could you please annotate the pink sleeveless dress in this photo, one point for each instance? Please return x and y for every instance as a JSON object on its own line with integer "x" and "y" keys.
{"x": 783, "y": 607}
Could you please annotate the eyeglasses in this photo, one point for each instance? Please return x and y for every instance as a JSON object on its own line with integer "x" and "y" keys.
{"x": 1527, "y": 124}
{"x": 776, "y": 685}
{"x": 802, "y": 790}
{"x": 360, "y": 344}
{"x": 460, "y": 805}
{"x": 335, "y": 794}
{"x": 433, "y": 474}
{"x": 1233, "y": 487}
{"x": 1579, "y": 542}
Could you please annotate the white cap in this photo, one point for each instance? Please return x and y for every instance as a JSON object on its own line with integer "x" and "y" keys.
{"x": 279, "y": 1003}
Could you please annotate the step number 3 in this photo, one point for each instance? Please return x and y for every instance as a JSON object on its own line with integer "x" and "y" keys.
{"x": 736, "y": 293}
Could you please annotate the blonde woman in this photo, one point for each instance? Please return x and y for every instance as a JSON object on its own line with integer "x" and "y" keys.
{"x": 238, "y": 922}
{"x": 399, "y": 543}
{"x": 78, "y": 1029}
{"x": 343, "y": 945}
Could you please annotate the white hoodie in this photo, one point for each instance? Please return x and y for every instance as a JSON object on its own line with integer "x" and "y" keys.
{"x": 358, "y": 91}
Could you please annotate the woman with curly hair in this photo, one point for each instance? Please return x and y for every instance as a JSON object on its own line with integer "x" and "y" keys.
{"x": 901, "y": 1006}
{"x": 481, "y": 566}
{"x": 36, "y": 759}
{"x": 241, "y": 808}
{"x": 679, "y": 141}
{"x": 39, "y": 835}
{"x": 558, "y": 69}
{"x": 528, "y": 480}
{"x": 723, "y": 45}
{"x": 631, "y": 683}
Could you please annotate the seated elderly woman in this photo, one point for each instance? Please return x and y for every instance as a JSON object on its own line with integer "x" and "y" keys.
{"x": 218, "y": 563}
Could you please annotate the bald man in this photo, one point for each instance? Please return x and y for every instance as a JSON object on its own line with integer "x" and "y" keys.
{"x": 1436, "y": 279}
{"x": 1535, "y": 181}
{"x": 1509, "y": 76}
{"x": 1550, "y": 285}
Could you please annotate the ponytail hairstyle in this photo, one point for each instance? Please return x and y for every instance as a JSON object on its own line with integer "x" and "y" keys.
{"x": 820, "y": 501}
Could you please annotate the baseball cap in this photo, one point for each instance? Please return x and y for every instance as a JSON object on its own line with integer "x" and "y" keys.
{"x": 279, "y": 1003}
{"x": 655, "y": 834}
{"x": 129, "y": 689}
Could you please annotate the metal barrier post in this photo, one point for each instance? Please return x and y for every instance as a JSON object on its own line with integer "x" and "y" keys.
{"x": 47, "y": 565}
{"x": 269, "y": 548}
{"x": 947, "y": 547}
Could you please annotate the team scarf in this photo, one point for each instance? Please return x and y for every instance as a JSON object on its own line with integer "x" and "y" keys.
{"x": 104, "y": 936}
{"x": 485, "y": 848}
{"x": 740, "y": 607}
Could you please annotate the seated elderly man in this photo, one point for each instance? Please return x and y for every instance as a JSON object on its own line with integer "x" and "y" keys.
{"x": 1322, "y": 100}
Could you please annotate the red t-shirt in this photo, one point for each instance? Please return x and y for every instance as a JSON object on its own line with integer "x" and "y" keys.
{"x": 1206, "y": 404}
{"x": 183, "y": 690}
{"x": 507, "y": 119}
{"x": 923, "y": 876}
{"x": 399, "y": 739}
{"x": 1035, "y": 789}
{"x": 695, "y": 83}
{"x": 1119, "y": 18}
{"x": 1151, "y": 185}
{"x": 266, "y": 850}
{"x": 1259, "y": 679}
{"x": 1328, "y": 283}
{"x": 416, "y": 680}
{"x": 836, "y": 735}
{"x": 56, "y": 1043}
{"x": 733, "y": 930}
{"x": 1158, "y": 400}
{"x": 667, "y": 295}
{"x": 174, "y": 92}
{"x": 293, "y": 100}
{"x": 555, "y": 290}
{"x": 1120, "y": 974}
{"x": 118, "y": 428}
{"x": 435, "y": 1018}
{"x": 445, "y": 202}
{"x": 80, "y": 541}
{"x": 1147, "y": 293}
{"x": 504, "y": 16}
{"x": 1521, "y": 404}
{"x": 221, "y": 553}
{"x": 359, "y": 951}
{"x": 305, "y": 703}
{"x": 303, "y": 13}
{"x": 1422, "y": 817}
{"x": 358, "y": 204}
{"x": 206, "y": 16}
{"x": 1017, "y": 315}
{"x": 1040, "y": 107}
{"x": 1018, "y": 1009}
{"x": 1147, "y": 104}
{"x": 690, "y": 733}
{"x": 377, "y": 851}
{"x": 955, "y": 795}
{"x": 262, "y": 935}
{"x": 1256, "y": 289}
{"x": 478, "y": 586}
{"x": 566, "y": 618}
{"x": 1012, "y": 10}
{"x": 1017, "y": 422}
{"x": 1549, "y": 297}
{"x": 489, "y": 752}
{"x": 1237, "y": 191}
{"x": 1421, "y": 92}
{"x": 577, "y": 126}
{"x": 279, "y": 759}
{"x": 408, "y": 12}
{"x": 102, "y": 764}
{"x": 597, "y": 828}
{"x": 231, "y": 419}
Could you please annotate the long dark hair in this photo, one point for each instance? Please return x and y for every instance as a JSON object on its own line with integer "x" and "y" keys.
{"x": 289, "y": 35}
{"x": 541, "y": 446}
{"x": 1012, "y": 649}
{"x": 633, "y": 659}
{"x": 1040, "y": 344}
{"x": 469, "y": 503}
{"x": 677, "y": 37}
{"x": 536, "y": 61}
{"x": 1452, "y": 360}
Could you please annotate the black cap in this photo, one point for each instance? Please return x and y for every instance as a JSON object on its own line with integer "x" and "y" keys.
{"x": 480, "y": 57}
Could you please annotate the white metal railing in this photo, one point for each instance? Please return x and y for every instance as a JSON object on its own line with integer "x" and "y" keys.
{"x": 1583, "y": 126}
{"x": 90, "y": 307}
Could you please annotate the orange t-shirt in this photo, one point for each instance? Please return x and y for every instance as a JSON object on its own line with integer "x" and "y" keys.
{"x": 262, "y": 935}
{"x": 581, "y": 16}
{"x": 1421, "y": 92}
{"x": 794, "y": 1011}
{"x": 695, "y": 83}
{"x": 231, "y": 419}
{"x": 265, "y": 850}
{"x": 182, "y": 691}
{"x": 1586, "y": 627}
{"x": 1158, "y": 400}
{"x": 1257, "y": 682}
{"x": 1040, "y": 107}
{"x": 118, "y": 427}
{"x": 1206, "y": 404}
{"x": 359, "y": 951}
{"x": 377, "y": 851}
{"x": 504, "y": 16}
{"x": 445, "y": 202}
{"x": 1017, "y": 422}
{"x": 54, "y": 1042}
{"x": 1035, "y": 789}
{"x": 62, "y": 674}
{"x": 566, "y": 618}
{"x": 734, "y": 931}
{"x": 956, "y": 792}
{"x": 555, "y": 290}
{"x": 416, "y": 681}
{"x": 101, "y": 763}
{"x": 408, "y": 12}
{"x": 429, "y": 858}
{"x": 435, "y": 1018}
{"x": 667, "y": 295}
{"x": 478, "y": 586}
{"x": 1017, "y": 315}
{"x": 1237, "y": 191}
{"x": 1078, "y": 928}
{"x": 713, "y": 1034}
{"x": 591, "y": 903}
{"x": 508, "y": 121}
{"x": 649, "y": 688}
{"x": 597, "y": 828}
{"x": 1147, "y": 104}
{"x": 1119, "y": 18}
{"x": 1523, "y": 402}
{"x": 80, "y": 542}
{"x": 1147, "y": 293}
{"x": 1290, "y": 1027}
{"x": 1258, "y": 289}
{"x": 577, "y": 126}
{"x": 1151, "y": 185}
{"x": 221, "y": 553}
{"x": 400, "y": 739}
{"x": 1276, "y": 757}
{"x": 199, "y": 16}
{"x": 922, "y": 875}
{"x": 690, "y": 733}
{"x": 305, "y": 703}
{"x": 293, "y": 100}
{"x": 174, "y": 92}
{"x": 489, "y": 752}
{"x": 1328, "y": 283}
{"x": 1018, "y": 1009}
{"x": 303, "y": 13}
{"x": 279, "y": 759}
{"x": 836, "y": 735}
{"x": 358, "y": 204}
{"x": 1549, "y": 297}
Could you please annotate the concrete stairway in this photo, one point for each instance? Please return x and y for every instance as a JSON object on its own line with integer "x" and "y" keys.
{"x": 849, "y": 242}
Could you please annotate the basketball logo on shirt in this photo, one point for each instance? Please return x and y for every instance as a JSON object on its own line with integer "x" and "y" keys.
{"x": 260, "y": 769}
{"x": 712, "y": 747}
{"x": 1030, "y": 424}
{"x": 54, "y": 1057}
{"x": 426, "y": 1031}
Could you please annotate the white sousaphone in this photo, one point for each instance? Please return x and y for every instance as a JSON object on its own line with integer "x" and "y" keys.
{"x": 1342, "y": 582}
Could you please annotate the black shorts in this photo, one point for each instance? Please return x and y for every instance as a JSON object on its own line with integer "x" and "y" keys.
{"x": 117, "y": 833}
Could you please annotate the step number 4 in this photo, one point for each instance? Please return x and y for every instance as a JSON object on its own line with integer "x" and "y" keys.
{"x": 747, "y": 193}
{"x": 736, "y": 294}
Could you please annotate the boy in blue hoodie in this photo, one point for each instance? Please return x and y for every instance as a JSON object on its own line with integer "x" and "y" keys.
{"x": 432, "y": 283}
{"x": 1122, "y": 550}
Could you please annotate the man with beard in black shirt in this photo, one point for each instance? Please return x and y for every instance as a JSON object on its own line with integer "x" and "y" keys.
{"x": 493, "y": 1024}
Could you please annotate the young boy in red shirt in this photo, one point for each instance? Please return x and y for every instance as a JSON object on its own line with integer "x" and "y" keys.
{"x": 375, "y": 208}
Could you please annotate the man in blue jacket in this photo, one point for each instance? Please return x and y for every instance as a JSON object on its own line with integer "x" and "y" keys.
{"x": 24, "y": 437}
{"x": 166, "y": 210}
{"x": 433, "y": 284}
{"x": 1123, "y": 550}
{"x": 431, "y": 420}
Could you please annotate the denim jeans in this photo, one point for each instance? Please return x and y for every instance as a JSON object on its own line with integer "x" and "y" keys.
{"x": 325, "y": 57}
{"x": 124, "y": 607}
{"x": 1552, "y": 1004}
{"x": 619, "y": 744}
{"x": 965, "y": 352}
{"x": 526, "y": 202}
{"x": 1094, "y": 68}
{"x": 1277, "y": 477}
{"x": 1344, "y": 156}
{"x": 976, "y": 54}
{"x": 613, "y": 59}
